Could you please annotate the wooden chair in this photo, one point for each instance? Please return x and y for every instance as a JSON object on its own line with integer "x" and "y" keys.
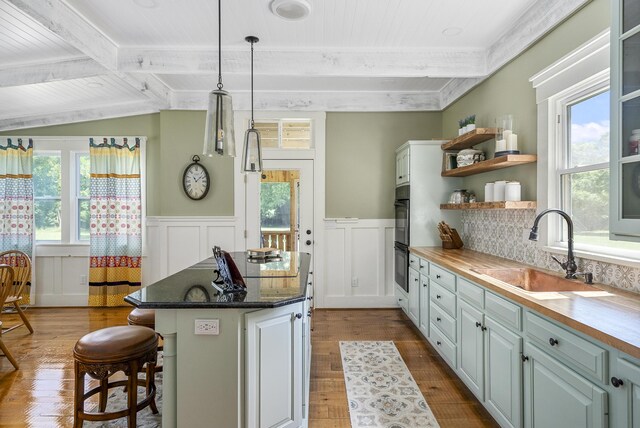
{"x": 21, "y": 264}
{"x": 6, "y": 285}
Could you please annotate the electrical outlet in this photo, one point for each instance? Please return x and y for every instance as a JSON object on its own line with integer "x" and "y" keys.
{"x": 83, "y": 279}
{"x": 354, "y": 282}
{"x": 207, "y": 327}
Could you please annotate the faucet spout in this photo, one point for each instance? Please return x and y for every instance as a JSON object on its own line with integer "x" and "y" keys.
{"x": 569, "y": 266}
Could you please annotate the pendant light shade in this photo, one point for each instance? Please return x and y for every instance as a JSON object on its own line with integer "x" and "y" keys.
{"x": 252, "y": 152}
{"x": 218, "y": 134}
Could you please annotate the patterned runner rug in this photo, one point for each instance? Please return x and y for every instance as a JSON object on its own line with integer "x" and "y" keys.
{"x": 380, "y": 389}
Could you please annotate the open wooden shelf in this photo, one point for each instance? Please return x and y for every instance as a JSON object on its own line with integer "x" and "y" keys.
{"x": 507, "y": 205}
{"x": 490, "y": 165}
{"x": 471, "y": 138}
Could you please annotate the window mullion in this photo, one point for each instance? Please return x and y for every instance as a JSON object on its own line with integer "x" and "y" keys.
{"x": 66, "y": 194}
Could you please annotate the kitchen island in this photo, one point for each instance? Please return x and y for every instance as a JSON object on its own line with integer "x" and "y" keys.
{"x": 234, "y": 360}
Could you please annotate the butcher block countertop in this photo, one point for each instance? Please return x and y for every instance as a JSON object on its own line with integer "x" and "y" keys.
{"x": 609, "y": 314}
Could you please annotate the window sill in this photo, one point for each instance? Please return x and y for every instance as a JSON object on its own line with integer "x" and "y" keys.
{"x": 61, "y": 249}
{"x": 601, "y": 257}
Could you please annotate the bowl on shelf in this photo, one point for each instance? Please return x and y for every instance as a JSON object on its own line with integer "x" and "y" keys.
{"x": 468, "y": 157}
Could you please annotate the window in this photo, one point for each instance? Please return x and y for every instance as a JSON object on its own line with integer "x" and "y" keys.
{"x": 61, "y": 191}
{"x": 285, "y": 133}
{"x": 573, "y": 150}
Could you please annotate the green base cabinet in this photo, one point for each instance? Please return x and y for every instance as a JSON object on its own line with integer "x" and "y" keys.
{"x": 503, "y": 374}
{"x": 625, "y": 383}
{"x": 413, "y": 310}
{"x": 471, "y": 348}
{"x": 556, "y": 396}
{"x": 424, "y": 305}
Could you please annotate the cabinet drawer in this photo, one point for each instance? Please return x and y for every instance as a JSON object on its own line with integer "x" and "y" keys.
{"x": 443, "y": 298}
{"x": 401, "y": 299}
{"x": 414, "y": 261}
{"x": 503, "y": 310}
{"x": 445, "y": 323}
{"x": 443, "y": 345}
{"x": 424, "y": 266}
{"x": 471, "y": 293}
{"x": 582, "y": 354}
{"x": 442, "y": 277}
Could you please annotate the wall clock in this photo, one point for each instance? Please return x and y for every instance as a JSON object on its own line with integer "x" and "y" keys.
{"x": 195, "y": 180}
{"x": 197, "y": 293}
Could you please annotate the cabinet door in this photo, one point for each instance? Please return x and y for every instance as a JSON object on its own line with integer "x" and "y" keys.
{"x": 414, "y": 296}
{"x": 470, "y": 348}
{"x": 424, "y": 305}
{"x": 556, "y": 396}
{"x": 626, "y": 395}
{"x": 273, "y": 372}
{"x": 624, "y": 204}
{"x": 503, "y": 374}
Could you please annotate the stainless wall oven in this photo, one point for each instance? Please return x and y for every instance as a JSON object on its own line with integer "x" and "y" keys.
{"x": 401, "y": 244}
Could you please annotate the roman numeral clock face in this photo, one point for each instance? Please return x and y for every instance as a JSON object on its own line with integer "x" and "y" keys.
{"x": 195, "y": 180}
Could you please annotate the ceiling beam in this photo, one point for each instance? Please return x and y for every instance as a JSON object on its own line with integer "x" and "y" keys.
{"x": 80, "y": 115}
{"x": 28, "y": 74}
{"x": 361, "y": 63}
{"x": 316, "y": 101}
{"x": 58, "y": 17}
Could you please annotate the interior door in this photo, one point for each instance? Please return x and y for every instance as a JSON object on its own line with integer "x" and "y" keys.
{"x": 279, "y": 206}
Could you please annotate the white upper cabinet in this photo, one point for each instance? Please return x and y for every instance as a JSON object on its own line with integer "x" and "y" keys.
{"x": 402, "y": 167}
{"x": 625, "y": 120}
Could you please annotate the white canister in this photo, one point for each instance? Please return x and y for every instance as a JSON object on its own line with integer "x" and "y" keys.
{"x": 488, "y": 192}
{"x": 512, "y": 191}
{"x": 498, "y": 190}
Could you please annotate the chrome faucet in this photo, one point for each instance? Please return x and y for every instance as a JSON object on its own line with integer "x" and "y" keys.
{"x": 569, "y": 266}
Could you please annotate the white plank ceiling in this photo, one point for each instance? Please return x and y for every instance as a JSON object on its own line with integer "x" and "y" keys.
{"x": 72, "y": 60}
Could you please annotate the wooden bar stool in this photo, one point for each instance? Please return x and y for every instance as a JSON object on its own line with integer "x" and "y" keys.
{"x": 104, "y": 352}
{"x": 146, "y": 318}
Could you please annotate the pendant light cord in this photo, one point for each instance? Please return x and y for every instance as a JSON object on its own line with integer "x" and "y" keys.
{"x": 219, "y": 44}
{"x": 252, "y": 123}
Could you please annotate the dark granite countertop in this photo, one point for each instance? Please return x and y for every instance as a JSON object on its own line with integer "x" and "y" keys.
{"x": 268, "y": 285}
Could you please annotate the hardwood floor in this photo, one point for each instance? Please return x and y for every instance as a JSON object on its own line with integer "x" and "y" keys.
{"x": 40, "y": 393}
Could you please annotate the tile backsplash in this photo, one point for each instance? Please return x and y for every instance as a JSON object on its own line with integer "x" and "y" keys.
{"x": 502, "y": 233}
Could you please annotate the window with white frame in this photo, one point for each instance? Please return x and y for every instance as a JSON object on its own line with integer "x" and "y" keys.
{"x": 61, "y": 191}
{"x": 573, "y": 147}
{"x": 285, "y": 133}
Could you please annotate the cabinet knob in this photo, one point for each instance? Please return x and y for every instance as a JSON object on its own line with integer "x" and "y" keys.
{"x": 483, "y": 328}
{"x": 437, "y": 276}
{"x": 410, "y": 261}
{"x": 438, "y": 319}
{"x": 478, "y": 324}
{"x": 400, "y": 177}
{"x": 438, "y": 296}
{"x": 308, "y": 242}
{"x": 399, "y": 300}
{"x": 438, "y": 343}
{"x": 552, "y": 341}
{"x": 415, "y": 279}
{"x": 308, "y": 231}
{"x": 309, "y": 313}
{"x": 617, "y": 383}
{"x": 524, "y": 358}
{"x": 424, "y": 285}
{"x": 299, "y": 316}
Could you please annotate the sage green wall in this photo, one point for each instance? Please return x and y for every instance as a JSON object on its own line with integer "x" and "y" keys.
{"x": 509, "y": 91}
{"x": 181, "y": 137}
{"x": 144, "y": 125}
{"x": 360, "y": 159}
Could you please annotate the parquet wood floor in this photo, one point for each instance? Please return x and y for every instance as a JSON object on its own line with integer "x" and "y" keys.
{"x": 40, "y": 394}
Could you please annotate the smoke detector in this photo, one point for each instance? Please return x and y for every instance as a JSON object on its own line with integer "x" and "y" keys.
{"x": 291, "y": 10}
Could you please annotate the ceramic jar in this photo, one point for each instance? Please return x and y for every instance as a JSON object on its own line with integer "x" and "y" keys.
{"x": 468, "y": 157}
{"x": 459, "y": 196}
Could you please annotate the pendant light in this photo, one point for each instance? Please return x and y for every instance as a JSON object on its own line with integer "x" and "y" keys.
{"x": 252, "y": 152}
{"x": 218, "y": 134}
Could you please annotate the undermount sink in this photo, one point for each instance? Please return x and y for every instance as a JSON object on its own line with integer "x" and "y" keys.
{"x": 534, "y": 280}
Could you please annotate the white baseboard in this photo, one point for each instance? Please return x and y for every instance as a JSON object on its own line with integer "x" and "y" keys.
{"x": 359, "y": 302}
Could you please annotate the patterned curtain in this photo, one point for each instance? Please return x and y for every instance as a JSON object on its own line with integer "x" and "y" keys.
{"x": 116, "y": 220}
{"x": 16, "y": 199}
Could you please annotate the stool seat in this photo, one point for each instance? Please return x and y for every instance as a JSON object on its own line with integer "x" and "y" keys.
{"x": 115, "y": 344}
{"x": 99, "y": 354}
{"x": 145, "y": 317}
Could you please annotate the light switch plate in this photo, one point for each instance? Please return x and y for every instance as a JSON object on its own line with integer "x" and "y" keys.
{"x": 207, "y": 327}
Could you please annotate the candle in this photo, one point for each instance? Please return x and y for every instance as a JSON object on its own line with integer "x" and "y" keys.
{"x": 506, "y": 134}
{"x": 501, "y": 145}
{"x": 512, "y": 142}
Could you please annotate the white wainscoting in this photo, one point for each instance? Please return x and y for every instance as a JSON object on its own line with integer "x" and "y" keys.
{"x": 61, "y": 275}
{"x": 358, "y": 264}
{"x": 174, "y": 243}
